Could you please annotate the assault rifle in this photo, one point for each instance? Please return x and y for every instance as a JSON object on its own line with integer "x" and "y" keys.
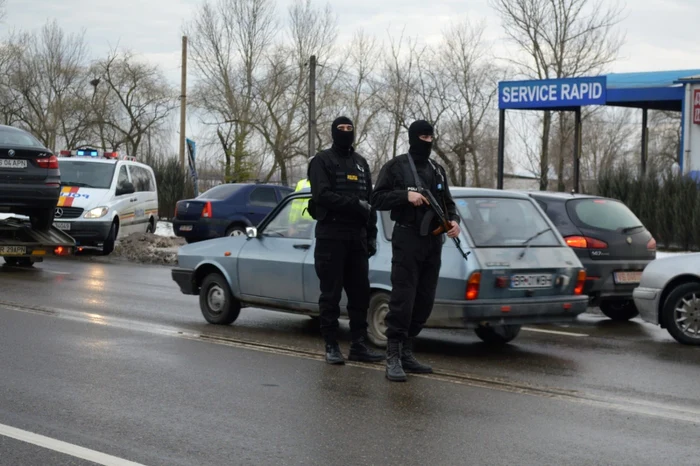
{"x": 442, "y": 218}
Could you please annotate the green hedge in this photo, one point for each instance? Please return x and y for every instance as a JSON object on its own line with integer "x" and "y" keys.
{"x": 668, "y": 205}
{"x": 173, "y": 186}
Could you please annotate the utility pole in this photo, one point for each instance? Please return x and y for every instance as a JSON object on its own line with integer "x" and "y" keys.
{"x": 183, "y": 102}
{"x": 312, "y": 106}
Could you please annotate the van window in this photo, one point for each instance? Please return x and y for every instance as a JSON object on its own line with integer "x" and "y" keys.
{"x": 123, "y": 177}
{"x": 263, "y": 197}
{"x": 141, "y": 178}
{"x": 504, "y": 222}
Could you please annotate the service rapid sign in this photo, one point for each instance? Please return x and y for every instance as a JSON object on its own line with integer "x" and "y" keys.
{"x": 552, "y": 93}
{"x": 696, "y": 106}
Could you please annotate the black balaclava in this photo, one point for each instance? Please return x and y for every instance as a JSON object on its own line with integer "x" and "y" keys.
{"x": 343, "y": 140}
{"x": 418, "y": 148}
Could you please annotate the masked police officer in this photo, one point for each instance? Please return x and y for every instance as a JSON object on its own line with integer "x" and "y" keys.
{"x": 416, "y": 250}
{"x": 346, "y": 236}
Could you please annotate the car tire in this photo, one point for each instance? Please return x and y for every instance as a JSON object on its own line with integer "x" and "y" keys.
{"x": 497, "y": 334}
{"x": 108, "y": 243}
{"x": 376, "y": 316}
{"x": 42, "y": 219}
{"x": 689, "y": 292}
{"x": 19, "y": 261}
{"x": 235, "y": 230}
{"x": 619, "y": 311}
{"x": 217, "y": 303}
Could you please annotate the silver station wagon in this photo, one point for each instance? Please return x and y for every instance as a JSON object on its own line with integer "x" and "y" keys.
{"x": 519, "y": 271}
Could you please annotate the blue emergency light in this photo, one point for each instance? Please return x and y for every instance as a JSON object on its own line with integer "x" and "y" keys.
{"x": 91, "y": 153}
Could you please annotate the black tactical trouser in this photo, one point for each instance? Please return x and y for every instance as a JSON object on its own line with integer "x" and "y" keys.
{"x": 343, "y": 264}
{"x": 415, "y": 269}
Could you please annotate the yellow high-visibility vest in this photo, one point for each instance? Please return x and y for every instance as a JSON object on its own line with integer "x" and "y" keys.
{"x": 299, "y": 206}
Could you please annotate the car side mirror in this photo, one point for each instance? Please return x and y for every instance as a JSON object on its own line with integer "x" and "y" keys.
{"x": 126, "y": 188}
{"x": 251, "y": 232}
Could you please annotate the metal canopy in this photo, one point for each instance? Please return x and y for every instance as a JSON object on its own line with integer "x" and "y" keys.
{"x": 657, "y": 90}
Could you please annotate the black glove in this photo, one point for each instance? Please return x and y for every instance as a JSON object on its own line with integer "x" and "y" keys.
{"x": 364, "y": 208}
{"x": 372, "y": 247}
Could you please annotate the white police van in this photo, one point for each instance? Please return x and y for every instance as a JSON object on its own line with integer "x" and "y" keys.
{"x": 104, "y": 196}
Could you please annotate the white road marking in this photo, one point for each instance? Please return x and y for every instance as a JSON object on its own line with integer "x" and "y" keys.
{"x": 555, "y": 332}
{"x": 63, "y": 447}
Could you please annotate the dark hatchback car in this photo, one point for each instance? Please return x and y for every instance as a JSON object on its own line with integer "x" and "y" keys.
{"x": 226, "y": 210}
{"x": 30, "y": 181}
{"x": 611, "y": 242}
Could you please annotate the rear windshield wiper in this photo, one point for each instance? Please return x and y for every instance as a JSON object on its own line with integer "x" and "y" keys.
{"x": 628, "y": 229}
{"x": 526, "y": 243}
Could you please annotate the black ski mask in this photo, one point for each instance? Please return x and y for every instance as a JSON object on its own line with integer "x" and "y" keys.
{"x": 418, "y": 148}
{"x": 343, "y": 140}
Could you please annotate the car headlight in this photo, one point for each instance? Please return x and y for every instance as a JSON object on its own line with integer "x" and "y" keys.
{"x": 97, "y": 212}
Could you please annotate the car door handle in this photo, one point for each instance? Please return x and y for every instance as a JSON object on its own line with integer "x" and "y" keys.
{"x": 302, "y": 246}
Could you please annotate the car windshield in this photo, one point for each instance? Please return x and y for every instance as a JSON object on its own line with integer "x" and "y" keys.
{"x": 86, "y": 174}
{"x": 15, "y": 137}
{"x": 223, "y": 191}
{"x": 602, "y": 214}
{"x": 505, "y": 222}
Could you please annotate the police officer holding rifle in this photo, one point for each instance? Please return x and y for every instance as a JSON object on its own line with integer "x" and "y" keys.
{"x": 416, "y": 243}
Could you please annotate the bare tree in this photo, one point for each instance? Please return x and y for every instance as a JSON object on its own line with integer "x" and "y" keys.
{"x": 400, "y": 77}
{"x": 471, "y": 85}
{"x": 228, "y": 41}
{"x": 47, "y": 78}
{"x": 606, "y": 142}
{"x": 282, "y": 93}
{"x": 560, "y": 38}
{"x": 138, "y": 102}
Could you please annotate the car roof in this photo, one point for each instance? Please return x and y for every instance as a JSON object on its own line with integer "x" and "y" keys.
{"x": 467, "y": 192}
{"x": 12, "y": 128}
{"x": 560, "y": 196}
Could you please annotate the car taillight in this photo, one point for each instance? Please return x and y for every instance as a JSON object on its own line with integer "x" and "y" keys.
{"x": 48, "y": 162}
{"x": 473, "y": 286}
{"x": 651, "y": 245}
{"x": 580, "y": 282}
{"x": 584, "y": 242}
{"x": 206, "y": 212}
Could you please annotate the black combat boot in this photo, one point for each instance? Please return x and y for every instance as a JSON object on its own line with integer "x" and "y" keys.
{"x": 333, "y": 354}
{"x": 360, "y": 352}
{"x": 410, "y": 363}
{"x": 394, "y": 371}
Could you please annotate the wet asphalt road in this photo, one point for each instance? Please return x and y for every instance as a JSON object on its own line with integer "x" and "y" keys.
{"x": 111, "y": 357}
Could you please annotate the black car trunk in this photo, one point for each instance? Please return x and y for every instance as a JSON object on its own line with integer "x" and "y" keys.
{"x": 190, "y": 209}
{"x": 20, "y": 165}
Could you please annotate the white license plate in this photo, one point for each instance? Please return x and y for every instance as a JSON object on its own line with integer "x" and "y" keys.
{"x": 65, "y": 226}
{"x": 13, "y": 250}
{"x": 13, "y": 163}
{"x": 531, "y": 281}
{"x": 185, "y": 227}
{"x": 628, "y": 277}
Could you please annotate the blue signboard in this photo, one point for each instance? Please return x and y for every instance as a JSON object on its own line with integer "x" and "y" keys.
{"x": 192, "y": 152}
{"x": 552, "y": 93}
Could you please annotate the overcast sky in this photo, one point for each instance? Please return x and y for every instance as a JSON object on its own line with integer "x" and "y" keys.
{"x": 661, "y": 34}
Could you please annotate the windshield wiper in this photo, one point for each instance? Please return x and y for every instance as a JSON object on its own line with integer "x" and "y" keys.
{"x": 526, "y": 243}
{"x": 628, "y": 229}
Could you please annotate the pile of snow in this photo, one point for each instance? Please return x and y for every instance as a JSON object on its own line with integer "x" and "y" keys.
{"x": 149, "y": 249}
{"x": 165, "y": 229}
